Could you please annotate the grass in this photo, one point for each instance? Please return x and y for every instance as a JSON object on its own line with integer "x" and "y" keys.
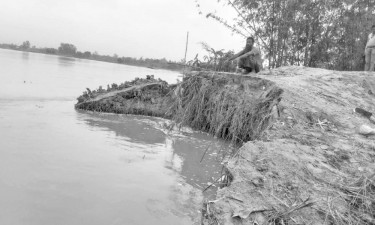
{"x": 359, "y": 196}
{"x": 218, "y": 105}
{"x": 226, "y": 111}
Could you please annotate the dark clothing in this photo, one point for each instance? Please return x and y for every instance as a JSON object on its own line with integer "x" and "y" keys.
{"x": 249, "y": 64}
{"x": 249, "y": 59}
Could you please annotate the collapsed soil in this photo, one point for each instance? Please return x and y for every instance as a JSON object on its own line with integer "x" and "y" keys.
{"x": 311, "y": 166}
{"x": 302, "y": 160}
{"x": 140, "y": 97}
{"x": 231, "y": 107}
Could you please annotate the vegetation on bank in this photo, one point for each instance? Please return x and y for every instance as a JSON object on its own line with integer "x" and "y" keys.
{"x": 141, "y": 96}
{"x": 66, "y": 49}
{"x": 324, "y": 34}
{"x": 230, "y": 107}
{"x": 312, "y": 165}
{"x": 297, "y": 166}
{"x": 214, "y": 60}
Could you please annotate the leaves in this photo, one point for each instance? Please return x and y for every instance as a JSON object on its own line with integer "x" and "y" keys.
{"x": 216, "y": 59}
{"x": 320, "y": 33}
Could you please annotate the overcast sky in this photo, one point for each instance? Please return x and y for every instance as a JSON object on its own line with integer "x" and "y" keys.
{"x": 134, "y": 28}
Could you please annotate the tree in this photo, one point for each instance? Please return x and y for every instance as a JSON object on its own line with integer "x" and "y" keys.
{"x": 25, "y": 45}
{"x": 79, "y": 54}
{"x": 215, "y": 59}
{"x": 51, "y": 51}
{"x": 213, "y": 55}
{"x": 120, "y": 60}
{"x": 317, "y": 33}
{"x": 87, "y": 54}
{"x": 67, "y": 49}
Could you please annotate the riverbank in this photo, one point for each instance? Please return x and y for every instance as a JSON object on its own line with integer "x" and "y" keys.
{"x": 311, "y": 166}
{"x": 229, "y": 106}
{"x": 302, "y": 160}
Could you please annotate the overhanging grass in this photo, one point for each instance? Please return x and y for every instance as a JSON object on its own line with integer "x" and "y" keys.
{"x": 226, "y": 110}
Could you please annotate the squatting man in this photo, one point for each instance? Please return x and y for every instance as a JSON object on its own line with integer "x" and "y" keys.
{"x": 249, "y": 59}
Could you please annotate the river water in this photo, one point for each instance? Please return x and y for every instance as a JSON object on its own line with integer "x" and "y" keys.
{"x": 62, "y": 166}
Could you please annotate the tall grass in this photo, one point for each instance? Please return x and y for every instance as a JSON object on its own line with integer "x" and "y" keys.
{"x": 222, "y": 108}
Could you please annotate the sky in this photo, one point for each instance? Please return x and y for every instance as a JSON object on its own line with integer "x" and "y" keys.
{"x": 130, "y": 28}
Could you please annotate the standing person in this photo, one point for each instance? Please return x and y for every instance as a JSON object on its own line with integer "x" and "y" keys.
{"x": 370, "y": 51}
{"x": 249, "y": 59}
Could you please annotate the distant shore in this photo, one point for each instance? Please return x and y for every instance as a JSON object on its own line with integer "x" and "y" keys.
{"x": 69, "y": 50}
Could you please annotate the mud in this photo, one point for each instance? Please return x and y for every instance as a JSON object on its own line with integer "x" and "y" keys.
{"x": 311, "y": 166}
{"x": 139, "y": 97}
{"x": 302, "y": 160}
{"x": 229, "y": 106}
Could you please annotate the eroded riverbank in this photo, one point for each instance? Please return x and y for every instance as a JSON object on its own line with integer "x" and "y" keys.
{"x": 304, "y": 160}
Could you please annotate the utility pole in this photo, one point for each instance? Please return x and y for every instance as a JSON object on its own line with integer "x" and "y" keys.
{"x": 187, "y": 42}
{"x": 186, "y": 48}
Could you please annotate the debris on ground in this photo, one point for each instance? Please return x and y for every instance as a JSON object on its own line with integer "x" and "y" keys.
{"x": 306, "y": 156}
{"x": 311, "y": 166}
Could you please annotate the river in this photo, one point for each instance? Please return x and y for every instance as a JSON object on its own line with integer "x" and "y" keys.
{"x": 62, "y": 166}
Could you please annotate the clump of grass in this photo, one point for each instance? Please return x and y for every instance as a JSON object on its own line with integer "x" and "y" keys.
{"x": 360, "y": 197}
{"x": 220, "y": 105}
{"x": 146, "y": 100}
{"x": 226, "y": 111}
{"x": 87, "y": 95}
{"x": 359, "y": 203}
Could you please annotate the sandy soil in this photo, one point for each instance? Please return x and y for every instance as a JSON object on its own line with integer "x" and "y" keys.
{"x": 308, "y": 165}
{"x": 311, "y": 166}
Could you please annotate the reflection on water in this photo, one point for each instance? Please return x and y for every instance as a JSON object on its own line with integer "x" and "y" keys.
{"x": 128, "y": 128}
{"x": 25, "y": 56}
{"x": 66, "y": 61}
{"x": 59, "y": 166}
{"x": 157, "y": 157}
{"x": 186, "y": 151}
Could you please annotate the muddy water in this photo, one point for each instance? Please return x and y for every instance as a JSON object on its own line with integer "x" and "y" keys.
{"x": 61, "y": 166}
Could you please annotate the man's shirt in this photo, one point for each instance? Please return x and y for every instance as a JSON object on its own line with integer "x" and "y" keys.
{"x": 371, "y": 40}
{"x": 254, "y": 52}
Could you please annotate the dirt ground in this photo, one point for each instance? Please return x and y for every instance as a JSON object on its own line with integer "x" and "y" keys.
{"x": 307, "y": 163}
{"x": 311, "y": 166}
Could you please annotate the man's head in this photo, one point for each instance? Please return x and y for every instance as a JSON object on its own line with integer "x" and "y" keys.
{"x": 249, "y": 42}
{"x": 373, "y": 29}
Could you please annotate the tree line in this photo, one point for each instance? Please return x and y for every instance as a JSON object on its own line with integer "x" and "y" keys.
{"x": 70, "y": 50}
{"x": 329, "y": 34}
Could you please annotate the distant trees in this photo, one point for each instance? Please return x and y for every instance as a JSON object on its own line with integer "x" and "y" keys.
{"x": 25, "y": 45}
{"x": 79, "y": 54}
{"x": 87, "y": 54}
{"x": 51, "y": 51}
{"x": 67, "y": 49}
{"x": 317, "y": 33}
{"x": 9, "y": 46}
